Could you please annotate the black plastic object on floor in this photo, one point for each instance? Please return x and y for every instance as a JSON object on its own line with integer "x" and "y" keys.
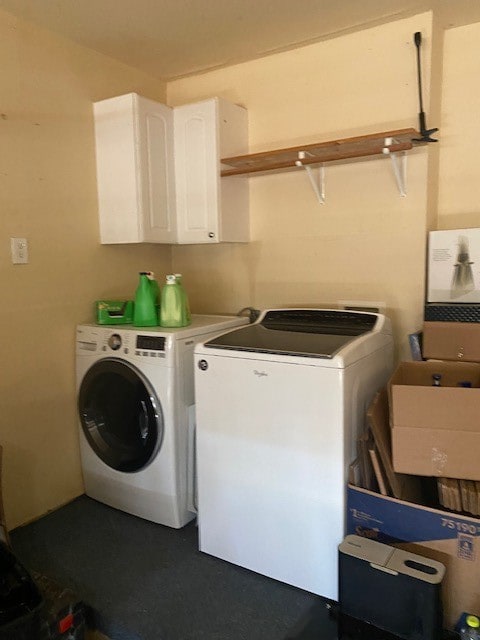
{"x": 64, "y": 614}
{"x": 325, "y": 622}
{"x": 351, "y": 629}
{"x": 20, "y": 600}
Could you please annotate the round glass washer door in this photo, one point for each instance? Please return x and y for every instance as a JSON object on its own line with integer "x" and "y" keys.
{"x": 120, "y": 414}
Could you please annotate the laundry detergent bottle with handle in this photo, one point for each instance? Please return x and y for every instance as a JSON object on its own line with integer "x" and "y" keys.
{"x": 155, "y": 293}
{"x": 154, "y": 286}
{"x": 144, "y": 310}
{"x": 186, "y": 306}
{"x": 172, "y": 304}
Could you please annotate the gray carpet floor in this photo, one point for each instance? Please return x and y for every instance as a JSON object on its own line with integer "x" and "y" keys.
{"x": 144, "y": 581}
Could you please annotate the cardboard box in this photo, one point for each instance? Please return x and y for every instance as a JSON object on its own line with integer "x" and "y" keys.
{"x": 451, "y": 539}
{"x": 458, "y": 341}
{"x": 454, "y": 266}
{"x": 436, "y": 430}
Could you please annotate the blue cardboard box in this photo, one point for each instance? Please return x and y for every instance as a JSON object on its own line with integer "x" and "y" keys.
{"x": 448, "y": 537}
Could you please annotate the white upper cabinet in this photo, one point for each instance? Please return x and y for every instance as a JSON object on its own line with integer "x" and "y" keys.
{"x": 158, "y": 171}
{"x": 209, "y": 209}
{"x": 135, "y": 170}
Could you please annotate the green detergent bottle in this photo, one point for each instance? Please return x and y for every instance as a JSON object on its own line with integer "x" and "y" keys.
{"x": 172, "y": 304}
{"x": 186, "y": 306}
{"x": 154, "y": 286}
{"x": 155, "y": 293}
{"x": 144, "y": 311}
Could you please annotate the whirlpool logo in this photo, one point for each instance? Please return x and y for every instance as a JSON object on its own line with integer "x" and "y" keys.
{"x": 260, "y": 374}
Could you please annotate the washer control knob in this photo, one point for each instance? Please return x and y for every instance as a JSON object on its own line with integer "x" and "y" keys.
{"x": 115, "y": 341}
{"x": 203, "y": 365}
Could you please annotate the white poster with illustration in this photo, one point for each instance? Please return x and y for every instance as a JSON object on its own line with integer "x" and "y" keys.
{"x": 454, "y": 266}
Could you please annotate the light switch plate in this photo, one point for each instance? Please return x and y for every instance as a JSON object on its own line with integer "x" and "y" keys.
{"x": 19, "y": 250}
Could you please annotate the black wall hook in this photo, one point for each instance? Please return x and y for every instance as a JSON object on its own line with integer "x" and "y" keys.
{"x": 425, "y": 133}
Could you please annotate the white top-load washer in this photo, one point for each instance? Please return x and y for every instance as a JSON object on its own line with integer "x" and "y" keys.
{"x": 279, "y": 405}
{"x": 135, "y": 405}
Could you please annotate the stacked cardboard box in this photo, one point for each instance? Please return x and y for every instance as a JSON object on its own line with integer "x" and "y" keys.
{"x": 432, "y": 417}
{"x": 451, "y": 335}
{"x": 436, "y": 429}
{"x": 431, "y": 434}
{"x": 441, "y": 535}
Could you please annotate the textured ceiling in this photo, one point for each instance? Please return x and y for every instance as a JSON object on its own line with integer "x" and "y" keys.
{"x": 173, "y": 38}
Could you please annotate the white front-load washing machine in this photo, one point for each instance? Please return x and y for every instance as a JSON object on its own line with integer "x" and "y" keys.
{"x": 136, "y": 406}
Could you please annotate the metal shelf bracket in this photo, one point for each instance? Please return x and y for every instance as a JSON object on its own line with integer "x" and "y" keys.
{"x": 399, "y": 165}
{"x": 318, "y": 184}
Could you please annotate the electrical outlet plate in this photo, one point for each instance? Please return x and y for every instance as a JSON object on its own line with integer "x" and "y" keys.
{"x": 19, "y": 250}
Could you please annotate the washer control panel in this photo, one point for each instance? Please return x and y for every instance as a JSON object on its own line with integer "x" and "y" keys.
{"x": 106, "y": 340}
{"x": 149, "y": 343}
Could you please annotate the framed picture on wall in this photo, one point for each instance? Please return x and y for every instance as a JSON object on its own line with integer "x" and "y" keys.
{"x": 454, "y": 266}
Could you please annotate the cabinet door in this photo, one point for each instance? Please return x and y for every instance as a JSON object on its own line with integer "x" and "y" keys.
{"x": 135, "y": 172}
{"x": 157, "y": 177}
{"x": 197, "y": 172}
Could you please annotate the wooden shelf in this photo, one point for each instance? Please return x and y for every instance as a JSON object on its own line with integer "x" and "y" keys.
{"x": 387, "y": 142}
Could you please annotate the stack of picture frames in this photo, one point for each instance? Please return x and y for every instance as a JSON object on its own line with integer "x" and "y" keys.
{"x": 373, "y": 468}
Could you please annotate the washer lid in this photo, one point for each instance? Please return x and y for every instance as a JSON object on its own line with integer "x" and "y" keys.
{"x": 317, "y": 333}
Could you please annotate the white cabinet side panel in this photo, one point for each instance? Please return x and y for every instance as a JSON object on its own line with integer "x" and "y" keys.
{"x": 235, "y": 202}
{"x": 117, "y": 170}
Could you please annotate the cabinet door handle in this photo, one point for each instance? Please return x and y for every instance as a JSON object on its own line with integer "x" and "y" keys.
{"x": 211, "y": 234}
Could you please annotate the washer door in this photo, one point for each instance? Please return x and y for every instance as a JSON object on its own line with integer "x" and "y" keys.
{"x": 120, "y": 415}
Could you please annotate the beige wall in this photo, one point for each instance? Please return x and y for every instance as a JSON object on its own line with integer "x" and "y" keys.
{"x": 459, "y": 184}
{"x": 48, "y": 195}
{"x": 366, "y": 242}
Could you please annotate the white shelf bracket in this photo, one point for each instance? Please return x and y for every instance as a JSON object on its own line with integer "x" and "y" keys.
{"x": 399, "y": 165}
{"x": 318, "y": 183}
